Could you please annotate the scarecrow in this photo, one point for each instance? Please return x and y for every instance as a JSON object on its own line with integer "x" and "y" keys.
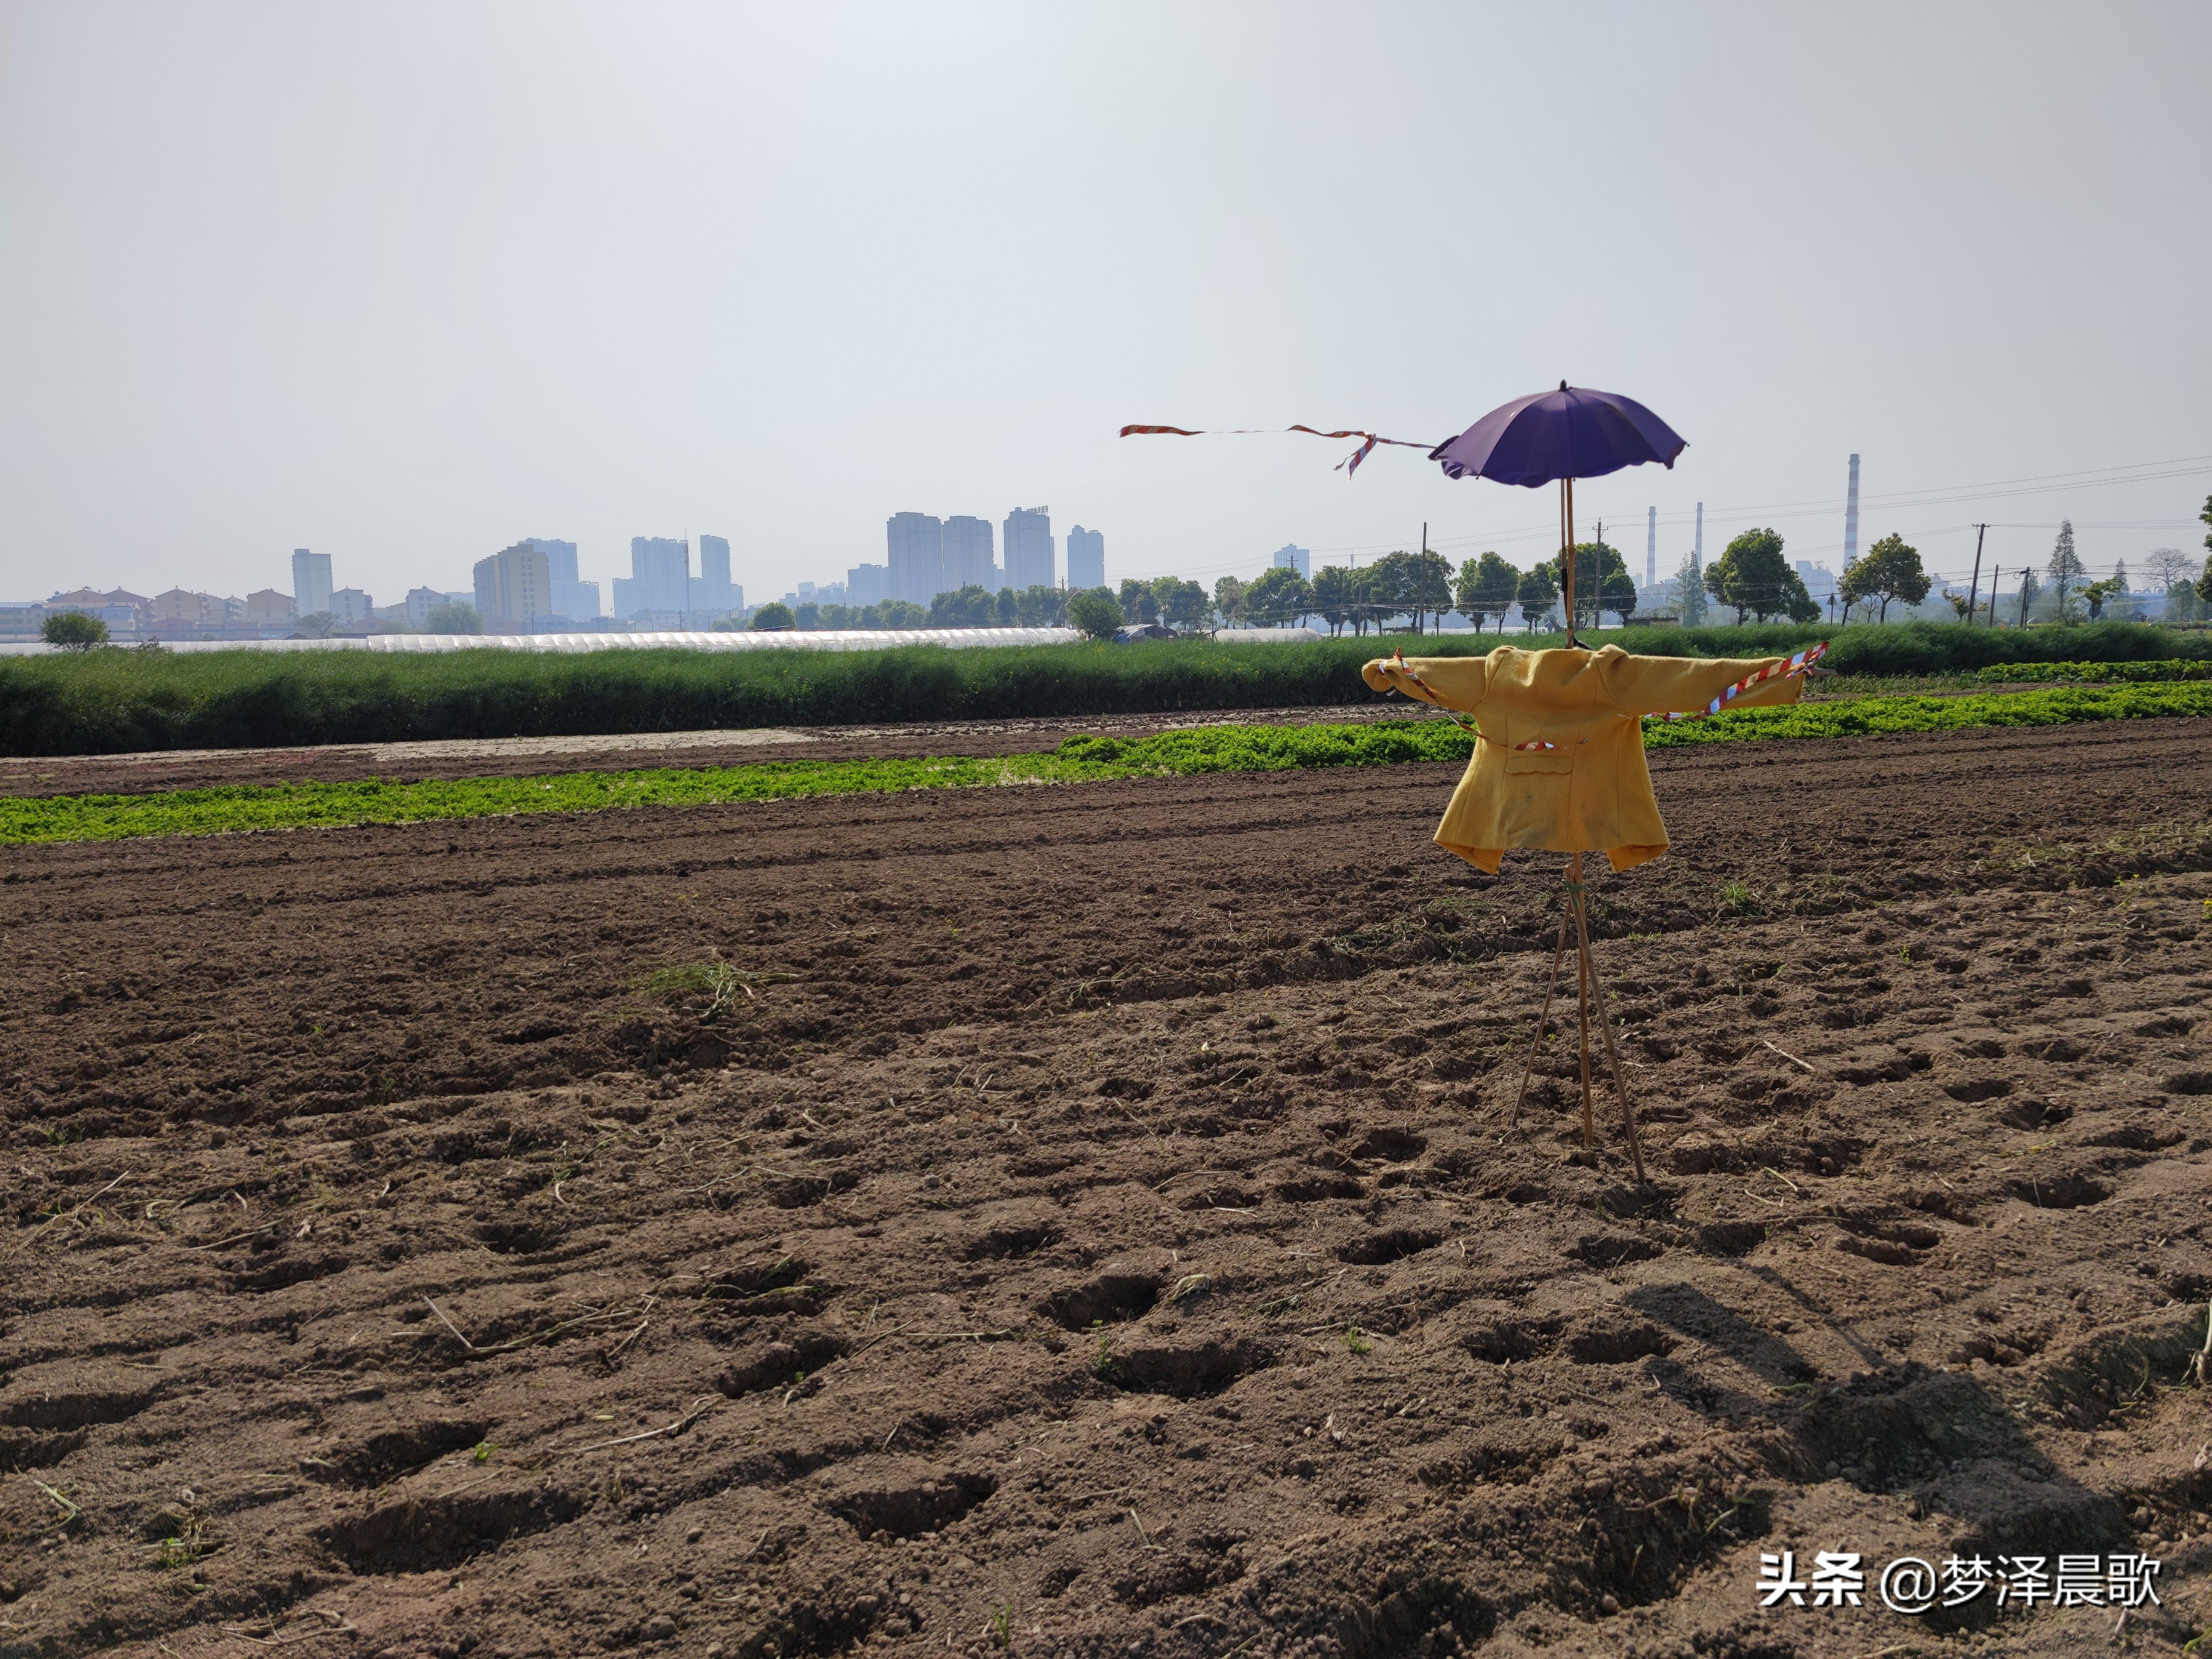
{"x": 1559, "y": 758}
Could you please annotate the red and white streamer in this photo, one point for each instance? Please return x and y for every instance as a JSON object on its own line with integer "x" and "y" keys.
{"x": 1797, "y": 664}
{"x": 1348, "y": 466}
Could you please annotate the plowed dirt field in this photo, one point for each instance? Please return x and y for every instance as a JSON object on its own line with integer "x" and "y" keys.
{"x": 1087, "y": 1220}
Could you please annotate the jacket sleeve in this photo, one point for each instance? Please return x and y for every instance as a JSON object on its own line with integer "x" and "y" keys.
{"x": 1442, "y": 682}
{"x": 1683, "y": 685}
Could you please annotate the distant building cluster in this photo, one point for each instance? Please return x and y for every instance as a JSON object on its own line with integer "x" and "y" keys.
{"x": 925, "y": 556}
{"x": 532, "y": 586}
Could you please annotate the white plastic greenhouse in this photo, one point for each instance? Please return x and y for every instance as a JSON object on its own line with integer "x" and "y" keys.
{"x": 850, "y": 639}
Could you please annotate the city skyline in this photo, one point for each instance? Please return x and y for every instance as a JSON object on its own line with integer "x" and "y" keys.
{"x": 1900, "y": 279}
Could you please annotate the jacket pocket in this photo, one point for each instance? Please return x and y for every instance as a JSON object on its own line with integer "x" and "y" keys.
{"x": 1561, "y": 759}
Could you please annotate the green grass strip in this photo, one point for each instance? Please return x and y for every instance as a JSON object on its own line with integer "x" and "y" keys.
{"x": 25, "y": 820}
{"x": 2060, "y": 706}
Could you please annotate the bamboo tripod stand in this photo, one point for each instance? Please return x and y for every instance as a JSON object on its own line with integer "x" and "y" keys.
{"x": 1588, "y": 995}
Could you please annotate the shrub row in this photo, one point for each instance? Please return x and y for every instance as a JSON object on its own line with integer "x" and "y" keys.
{"x": 111, "y": 702}
{"x": 2174, "y": 668}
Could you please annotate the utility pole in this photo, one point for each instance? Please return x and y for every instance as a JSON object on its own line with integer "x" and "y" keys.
{"x": 1993, "y": 598}
{"x": 1974, "y": 592}
{"x": 2025, "y": 574}
{"x": 1425, "y": 559}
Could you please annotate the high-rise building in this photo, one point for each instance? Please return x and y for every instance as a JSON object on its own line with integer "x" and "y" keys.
{"x": 513, "y": 589}
{"x": 915, "y": 542}
{"x": 311, "y": 582}
{"x": 1030, "y": 561}
{"x": 1086, "y": 558}
{"x": 660, "y": 576}
{"x": 713, "y": 593}
{"x": 578, "y": 601}
{"x": 1293, "y": 558}
{"x": 969, "y": 559}
{"x": 867, "y": 584}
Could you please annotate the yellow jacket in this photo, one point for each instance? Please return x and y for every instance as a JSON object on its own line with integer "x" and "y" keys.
{"x": 1590, "y": 790}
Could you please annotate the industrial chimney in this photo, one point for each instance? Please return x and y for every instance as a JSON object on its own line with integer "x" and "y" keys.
{"x": 1851, "y": 519}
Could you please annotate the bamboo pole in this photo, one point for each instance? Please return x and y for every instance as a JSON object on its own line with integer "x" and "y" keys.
{"x": 1537, "y": 1043}
{"x": 1605, "y": 1023}
{"x": 1583, "y": 988}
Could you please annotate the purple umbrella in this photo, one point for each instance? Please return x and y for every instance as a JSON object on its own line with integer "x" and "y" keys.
{"x": 1565, "y": 434}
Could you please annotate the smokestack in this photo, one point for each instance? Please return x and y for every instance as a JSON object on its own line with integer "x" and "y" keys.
{"x": 1851, "y": 519}
{"x": 1651, "y": 547}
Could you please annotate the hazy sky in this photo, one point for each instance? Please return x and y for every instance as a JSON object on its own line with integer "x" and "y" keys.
{"x": 405, "y": 283}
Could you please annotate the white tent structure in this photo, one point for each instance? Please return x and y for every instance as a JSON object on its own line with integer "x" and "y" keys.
{"x": 852, "y": 638}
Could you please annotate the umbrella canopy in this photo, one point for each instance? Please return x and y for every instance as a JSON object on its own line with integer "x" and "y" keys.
{"x": 1572, "y": 433}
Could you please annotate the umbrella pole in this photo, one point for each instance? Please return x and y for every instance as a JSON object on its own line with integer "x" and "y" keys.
{"x": 1567, "y": 552}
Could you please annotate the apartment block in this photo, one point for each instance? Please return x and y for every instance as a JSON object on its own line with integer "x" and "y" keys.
{"x": 970, "y": 558}
{"x": 1029, "y": 558}
{"x": 311, "y": 580}
{"x": 513, "y": 589}
{"x": 915, "y": 545}
{"x": 1086, "y": 558}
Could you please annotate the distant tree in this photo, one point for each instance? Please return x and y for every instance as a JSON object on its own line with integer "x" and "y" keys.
{"x": 1486, "y": 588}
{"x": 1538, "y": 594}
{"x": 321, "y": 625}
{"x": 897, "y": 613}
{"x": 970, "y": 606}
{"x": 2206, "y": 515}
{"x": 1181, "y": 603}
{"x": 1332, "y": 597}
{"x": 2065, "y": 570}
{"x": 1620, "y": 594}
{"x": 454, "y": 616}
{"x": 835, "y": 616}
{"x": 1428, "y": 585}
{"x": 1278, "y": 597}
{"x": 2167, "y": 565}
{"x": 2098, "y": 595}
{"x": 1231, "y": 601}
{"x": 1962, "y": 605}
{"x": 1594, "y": 562}
{"x": 1040, "y": 606}
{"x": 807, "y": 617}
{"x": 1690, "y": 593}
{"x": 73, "y": 630}
{"x": 1138, "y": 602}
{"x": 1888, "y": 570}
{"x": 2203, "y": 585}
{"x": 1751, "y": 574}
{"x": 1008, "y": 607}
{"x": 1095, "y": 612}
{"x": 775, "y": 614}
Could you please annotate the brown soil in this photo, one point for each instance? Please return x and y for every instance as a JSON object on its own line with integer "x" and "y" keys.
{"x": 1112, "y": 1231}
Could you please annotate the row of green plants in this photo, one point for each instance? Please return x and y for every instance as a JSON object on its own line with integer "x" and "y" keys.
{"x": 1080, "y": 759}
{"x": 2174, "y": 668}
{"x": 120, "y": 702}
